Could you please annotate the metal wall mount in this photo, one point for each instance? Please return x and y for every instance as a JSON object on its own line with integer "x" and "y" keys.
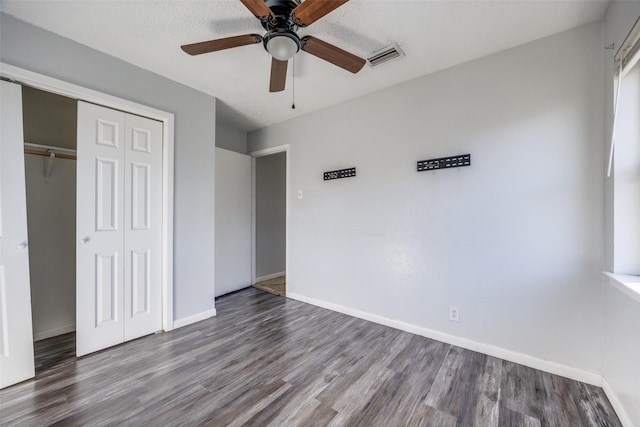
{"x": 444, "y": 162}
{"x": 342, "y": 173}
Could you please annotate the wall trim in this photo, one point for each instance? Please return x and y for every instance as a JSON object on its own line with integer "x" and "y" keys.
{"x": 53, "y": 332}
{"x": 194, "y": 318}
{"x": 81, "y": 93}
{"x": 625, "y": 283}
{"x": 625, "y": 419}
{"x": 269, "y": 276}
{"x": 592, "y": 378}
{"x": 271, "y": 150}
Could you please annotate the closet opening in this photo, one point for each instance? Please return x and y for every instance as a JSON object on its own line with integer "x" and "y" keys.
{"x": 50, "y": 143}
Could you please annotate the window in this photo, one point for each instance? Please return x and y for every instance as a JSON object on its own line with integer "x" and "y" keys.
{"x": 626, "y": 157}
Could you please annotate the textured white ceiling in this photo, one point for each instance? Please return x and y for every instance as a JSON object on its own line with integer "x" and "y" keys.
{"x": 434, "y": 35}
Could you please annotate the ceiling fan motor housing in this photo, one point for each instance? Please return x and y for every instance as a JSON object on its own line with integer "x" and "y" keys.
{"x": 281, "y": 40}
{"x": 281, "y": 19}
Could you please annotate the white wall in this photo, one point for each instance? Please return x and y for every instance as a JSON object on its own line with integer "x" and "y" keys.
{"x": 271, "y": 215}
{"x": 34, "y": 49}
{"x": 230, "y": 138}
{"x": 233, "y": 221}
{"x": 515, "y": 240}
{"x": 621, "y": 340}
{"x": 51, "y": 217}
{"x": 621, "y": 347}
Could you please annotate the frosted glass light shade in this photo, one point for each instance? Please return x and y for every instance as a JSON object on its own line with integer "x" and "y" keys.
{"x": 282, "y": 47}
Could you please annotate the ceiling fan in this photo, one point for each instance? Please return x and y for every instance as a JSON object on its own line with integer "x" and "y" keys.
{"x": 281, "y": 19}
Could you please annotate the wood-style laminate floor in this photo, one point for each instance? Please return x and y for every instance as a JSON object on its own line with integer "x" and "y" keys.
{"x": 277, "y": 286}
{"x": 266, "y": 360}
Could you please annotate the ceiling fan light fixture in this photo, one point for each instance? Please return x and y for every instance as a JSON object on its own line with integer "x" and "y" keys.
{"x": 283, "y": 45}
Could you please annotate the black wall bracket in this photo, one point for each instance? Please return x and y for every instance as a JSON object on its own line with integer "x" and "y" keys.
{"x": 342, "y": 173}
{"x": 444, "y": 163}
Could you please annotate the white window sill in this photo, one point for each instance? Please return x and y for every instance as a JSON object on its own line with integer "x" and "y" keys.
{"x": 630, "y": 285}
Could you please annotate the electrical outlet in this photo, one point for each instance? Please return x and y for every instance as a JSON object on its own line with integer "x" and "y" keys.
{"x": 454, "y": 313}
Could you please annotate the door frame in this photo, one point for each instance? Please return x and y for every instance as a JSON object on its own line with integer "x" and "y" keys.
{"x": 261, "y": 153}
{"x": 80, "y": 93}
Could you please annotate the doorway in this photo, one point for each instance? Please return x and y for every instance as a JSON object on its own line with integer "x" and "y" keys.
{"x": 270, "y": 221}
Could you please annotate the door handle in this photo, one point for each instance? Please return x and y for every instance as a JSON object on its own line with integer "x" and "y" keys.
{"x": 22, "y": 246}
{"x": 85, "y": 240}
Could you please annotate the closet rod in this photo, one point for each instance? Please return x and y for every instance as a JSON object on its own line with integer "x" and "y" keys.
{"x": 46, "y": 154}
{"x": 45, "y": 150}
{"x": 49, "y": 147}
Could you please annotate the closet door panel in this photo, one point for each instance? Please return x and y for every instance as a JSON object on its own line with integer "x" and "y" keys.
{"x": 143, "y": 226}
{"x": 16, "y": 334}
{"x": 106, "y": 269}
{"x": 100, "y": 228}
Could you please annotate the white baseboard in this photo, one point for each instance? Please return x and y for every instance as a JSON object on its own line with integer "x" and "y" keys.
{"x": 194, "y": 318}
{"x": 270, "y": 276}
{"x": 490, "y": 350}
{"x": 53, "y": 332}
{"x": 617, "y": 405}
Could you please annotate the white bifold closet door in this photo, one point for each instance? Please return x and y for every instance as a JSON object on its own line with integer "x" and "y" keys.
{"x": 119, "y": 228}
{"x": 16, "y": 335}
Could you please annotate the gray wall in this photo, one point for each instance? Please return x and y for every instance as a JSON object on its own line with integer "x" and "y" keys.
{"x": 49, "y": 119}
{"x": 29, "y": 47}
{"x": 51, "y": 219}
{"x": 230, "y": 138}
{"x": 515, "y": 240}
{"x": 271, "y": 200}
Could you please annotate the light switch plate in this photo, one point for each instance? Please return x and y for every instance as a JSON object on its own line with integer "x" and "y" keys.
{"x": 454, "y": 313}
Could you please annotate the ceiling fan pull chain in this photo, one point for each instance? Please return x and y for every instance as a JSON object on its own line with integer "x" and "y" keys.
{"x": 293, "y": 83}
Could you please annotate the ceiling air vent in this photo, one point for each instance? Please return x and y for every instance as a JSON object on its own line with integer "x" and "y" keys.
{"x": 387, "y": 54}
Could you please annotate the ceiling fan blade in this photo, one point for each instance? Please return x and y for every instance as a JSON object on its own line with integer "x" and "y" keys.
{"x": 278, "y": 75}
{"x": 221, "y": 44}
{"x": 309, "y": 11}
{"x": 259, "y": 8}
{"x": 332, "y": 54}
